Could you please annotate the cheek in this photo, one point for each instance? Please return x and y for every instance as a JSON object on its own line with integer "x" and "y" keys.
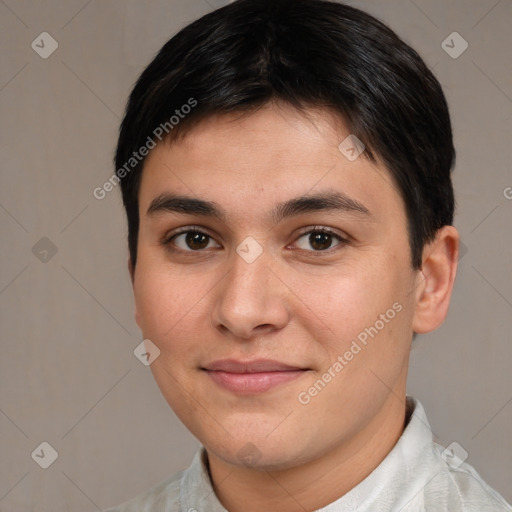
{"x": 165, "y": 302}
{"x": 368, "y": 314}
{"x": 347, "y": 301}
{"x": 153, "y": 298}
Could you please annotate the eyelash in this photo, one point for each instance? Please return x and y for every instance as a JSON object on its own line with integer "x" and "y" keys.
{"x": 167, "y": 241}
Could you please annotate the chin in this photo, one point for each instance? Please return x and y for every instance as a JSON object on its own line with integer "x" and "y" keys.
{"x": 259, "y": 451}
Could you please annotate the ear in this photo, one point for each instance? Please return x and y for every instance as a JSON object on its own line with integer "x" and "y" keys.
{"x": 435, "y": 280}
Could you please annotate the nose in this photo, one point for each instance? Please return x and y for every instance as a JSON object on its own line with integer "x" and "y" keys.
{"x": 251, "y": 301}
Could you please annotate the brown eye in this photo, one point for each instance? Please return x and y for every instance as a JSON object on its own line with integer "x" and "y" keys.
{"x": 318, "y": 240}
{"x": 196, "y": 240}
{"x": 192, "y": 241}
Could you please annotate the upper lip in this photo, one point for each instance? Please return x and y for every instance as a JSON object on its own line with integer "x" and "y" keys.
{"x": 253, "y": 366}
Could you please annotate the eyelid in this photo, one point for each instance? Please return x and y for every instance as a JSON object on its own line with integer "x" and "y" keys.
{"x": 186, "y": 229}
{"x": 324, "y": 229}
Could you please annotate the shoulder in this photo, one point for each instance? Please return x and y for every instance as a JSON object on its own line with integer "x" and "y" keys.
{"x": 460, "y": 488}
{"x": 163, "y": 496}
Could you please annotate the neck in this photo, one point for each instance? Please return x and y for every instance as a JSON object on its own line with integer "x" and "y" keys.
{"x": 318, "y": 482}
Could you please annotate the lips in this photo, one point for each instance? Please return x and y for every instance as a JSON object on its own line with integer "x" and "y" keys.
{"x": 251, "y": 377}
{"x": 255, "y": 366}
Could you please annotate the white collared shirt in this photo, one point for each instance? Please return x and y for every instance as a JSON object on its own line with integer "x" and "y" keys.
{"x": 417, "y": 475}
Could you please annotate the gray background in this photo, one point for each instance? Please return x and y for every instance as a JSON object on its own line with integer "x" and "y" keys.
{"x": 68, "y": 374}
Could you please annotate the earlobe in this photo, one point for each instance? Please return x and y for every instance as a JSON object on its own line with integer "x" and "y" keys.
{"x": 435, "y": 280}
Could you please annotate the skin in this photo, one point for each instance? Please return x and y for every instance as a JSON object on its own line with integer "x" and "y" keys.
{"x": 295, "y": 304}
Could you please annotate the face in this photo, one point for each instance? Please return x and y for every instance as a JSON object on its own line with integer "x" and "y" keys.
{"x": 274, "y": 275}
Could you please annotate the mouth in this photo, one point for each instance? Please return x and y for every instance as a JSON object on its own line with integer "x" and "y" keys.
{"x": 252, "y": 377}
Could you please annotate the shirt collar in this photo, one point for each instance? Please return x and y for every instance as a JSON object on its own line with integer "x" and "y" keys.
{"x": 403, "y": 473}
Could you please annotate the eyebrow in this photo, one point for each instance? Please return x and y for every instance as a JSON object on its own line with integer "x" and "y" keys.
{"x": 326, "y": 201}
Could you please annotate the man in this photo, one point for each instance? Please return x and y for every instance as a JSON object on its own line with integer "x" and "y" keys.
{"x": 285, "y": 169}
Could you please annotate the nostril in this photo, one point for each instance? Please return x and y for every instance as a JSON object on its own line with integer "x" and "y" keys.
{"x": 263, "y": 327}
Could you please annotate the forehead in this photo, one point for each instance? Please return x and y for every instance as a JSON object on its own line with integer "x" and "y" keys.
{"x": 251, "y": 162}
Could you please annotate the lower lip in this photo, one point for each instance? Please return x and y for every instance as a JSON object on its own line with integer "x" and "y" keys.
{"x": 252, "y": 383}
